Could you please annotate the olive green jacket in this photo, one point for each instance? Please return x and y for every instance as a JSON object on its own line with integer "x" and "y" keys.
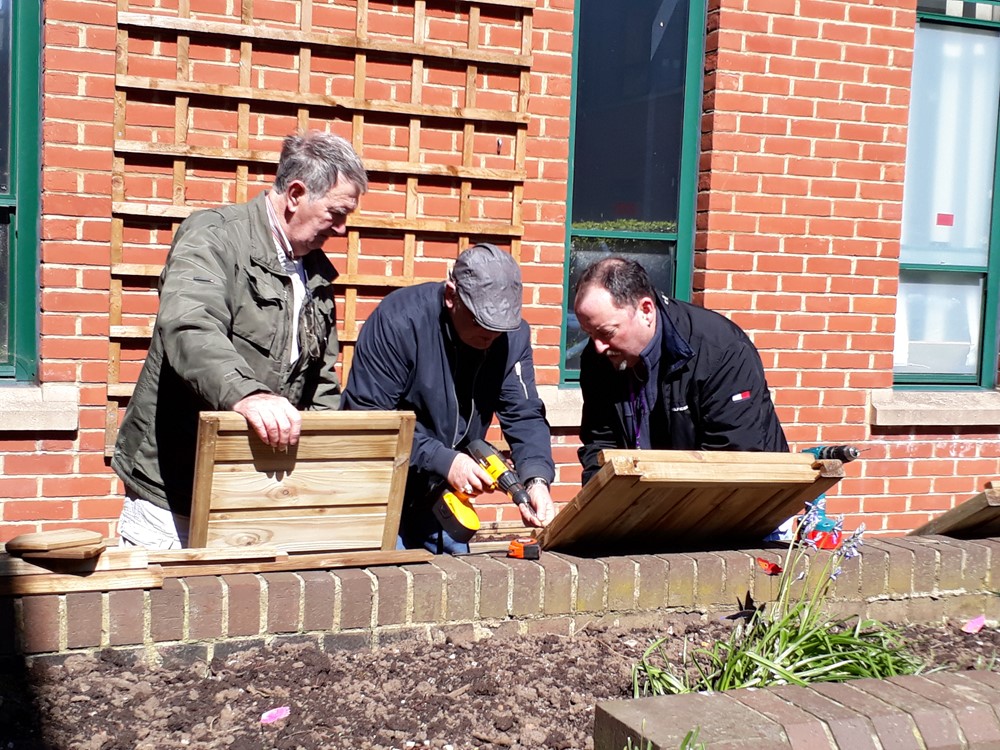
{"x": 222, "y": 332}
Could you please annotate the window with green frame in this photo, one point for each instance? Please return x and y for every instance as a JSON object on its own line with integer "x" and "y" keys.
{"x": 20, "y": 67}
{"x": 946, "y": 316}
{"x": 637, "y": 90}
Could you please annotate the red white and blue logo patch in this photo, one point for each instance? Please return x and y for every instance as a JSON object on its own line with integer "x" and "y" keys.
{"x": 741, "y": 396}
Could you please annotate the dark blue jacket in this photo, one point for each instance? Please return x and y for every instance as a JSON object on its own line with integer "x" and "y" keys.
{"x": 408, "y": 357}
{"x": 709, "y": 391}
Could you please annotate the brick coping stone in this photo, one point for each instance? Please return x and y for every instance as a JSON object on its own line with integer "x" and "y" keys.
{"x": 937, "y": 711}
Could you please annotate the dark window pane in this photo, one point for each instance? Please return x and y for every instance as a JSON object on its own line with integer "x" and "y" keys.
{"x": 4, "y": 285}
{"x": 629, "y": 110}
{"x": 658, "y": 258}
{"x": 5, "y": 67}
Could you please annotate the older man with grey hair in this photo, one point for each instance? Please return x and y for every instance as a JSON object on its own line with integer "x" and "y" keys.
{"x": 456, "y": 353}
{"x": 246, "y": 322}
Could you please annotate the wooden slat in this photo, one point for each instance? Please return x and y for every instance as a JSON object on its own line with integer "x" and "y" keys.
{"x": 144, "y": 332}
{"x": 244, "y": 448}
{"x": 976, "y": 518}
{"x": 316, "y": 561}
{"x": 322, "y": 39}
{"x": 204, "y": 465}
{"x": 431, "y": 226}
{"x": 117, "y": 559}
{"x": 317, "y": 484}
{"x": 119, "y": 270}
{"x": 45, "y": 541}
{"x": 57, "y": 583}
{"x": 130, "y": 332}
{"x": 372, "y": 166}
{"x": 290, "y": 532}
{"x": 711, "y": 459}
{"x": 83, "y": 552}
{"x": 248, "y": 93}
{"x": 323, "y": 421}
{"x": 152, "y": 271}
{"x": 216, "y": 555}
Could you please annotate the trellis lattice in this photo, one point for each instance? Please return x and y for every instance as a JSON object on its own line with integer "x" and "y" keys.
{"x": 432, "y": 93}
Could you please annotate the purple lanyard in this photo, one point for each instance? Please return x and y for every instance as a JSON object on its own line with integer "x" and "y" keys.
{"x": 638, "y": 401}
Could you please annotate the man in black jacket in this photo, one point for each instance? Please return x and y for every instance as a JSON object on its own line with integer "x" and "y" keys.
{"x": 456, "y": 353}
{"x": 663, "y": 374}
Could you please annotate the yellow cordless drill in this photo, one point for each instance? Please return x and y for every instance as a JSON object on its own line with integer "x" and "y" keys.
{"x": 454, "y": 511}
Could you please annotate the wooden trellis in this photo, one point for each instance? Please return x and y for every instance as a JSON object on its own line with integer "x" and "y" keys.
{"x": 432, "y": 93}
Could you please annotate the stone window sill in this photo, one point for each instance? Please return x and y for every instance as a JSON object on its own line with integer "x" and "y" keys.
{"x": 47, "y": 408}
{"x": 891, "y": 408}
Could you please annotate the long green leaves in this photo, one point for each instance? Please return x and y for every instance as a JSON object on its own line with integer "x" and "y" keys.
{"x": 790, "y": 641}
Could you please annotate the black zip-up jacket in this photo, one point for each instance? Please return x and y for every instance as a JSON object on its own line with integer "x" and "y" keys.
{"x": 710, "y": 391}
{"x": 408, "y": 357}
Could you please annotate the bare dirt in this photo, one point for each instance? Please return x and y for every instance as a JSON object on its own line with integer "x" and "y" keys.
{"x": 496, "y": 694}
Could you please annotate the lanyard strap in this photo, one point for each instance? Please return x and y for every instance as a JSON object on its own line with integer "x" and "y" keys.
{"x": 637, "y": 399}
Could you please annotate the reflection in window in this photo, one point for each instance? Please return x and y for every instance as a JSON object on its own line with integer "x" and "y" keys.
{"x": 629, "y": 110}
{"x": 656, "y": 257}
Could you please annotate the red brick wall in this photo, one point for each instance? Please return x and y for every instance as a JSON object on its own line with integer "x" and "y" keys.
{"x": 62, "y": 478}
{"x": 798, "y": 236}
{"x": 799, "y": 214}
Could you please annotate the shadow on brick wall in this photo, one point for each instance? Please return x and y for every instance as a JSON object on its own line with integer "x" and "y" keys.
{"x": 20, "y": 714}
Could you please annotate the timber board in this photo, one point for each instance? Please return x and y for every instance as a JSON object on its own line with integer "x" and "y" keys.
{"x": 340, "y": 488}
{"x": 976, "y": 518}
{"x": 660, "y": 501}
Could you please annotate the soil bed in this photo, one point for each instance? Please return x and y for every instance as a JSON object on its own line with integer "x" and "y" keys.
{"x": 514, "y": 694}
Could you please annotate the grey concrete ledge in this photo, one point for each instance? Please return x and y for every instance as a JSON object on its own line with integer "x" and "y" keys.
{"x": 951, "y": 408}
{"x": 46, "y": 408}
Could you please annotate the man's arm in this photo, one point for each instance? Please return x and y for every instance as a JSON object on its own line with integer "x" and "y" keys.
{"x": 380, "y": 374}
{"x": 598, "y": 418}
{"x": 195, "y": 319}
{"x": 736, "y": 413}
{"x": 521, "y": 414}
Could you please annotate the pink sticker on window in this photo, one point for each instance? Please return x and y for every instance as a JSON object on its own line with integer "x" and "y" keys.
{"x": 946, "y": 220}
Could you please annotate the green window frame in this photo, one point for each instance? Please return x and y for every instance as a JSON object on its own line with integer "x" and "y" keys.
{"x": 20, "y": 196}
{"x": 619, "y": 233}
{"x": 943, "y": 273}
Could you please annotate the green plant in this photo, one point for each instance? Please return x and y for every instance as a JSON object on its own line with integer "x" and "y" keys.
{"x": 789, "y": 641}
{"x": 690, "y": 742}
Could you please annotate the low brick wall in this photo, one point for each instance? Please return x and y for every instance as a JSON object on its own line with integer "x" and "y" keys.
{"x": 913, "y": 579}
{"x": 934, "y": 712}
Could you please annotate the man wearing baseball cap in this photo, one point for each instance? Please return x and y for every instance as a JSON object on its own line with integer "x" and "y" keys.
{"x": 456, "y": 353}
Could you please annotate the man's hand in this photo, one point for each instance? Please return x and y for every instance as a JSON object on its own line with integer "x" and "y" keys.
{"x": 466, "y": 475}
{"x": 541, "y": 511}
{"x": 272, "y": 417}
